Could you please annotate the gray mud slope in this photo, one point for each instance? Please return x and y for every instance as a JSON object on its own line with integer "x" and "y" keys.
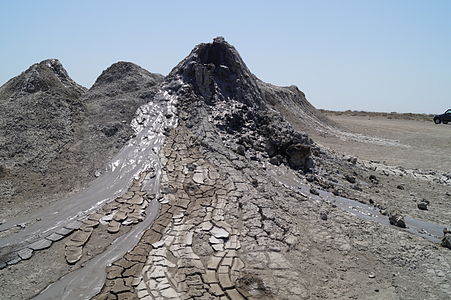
{"x": 241, "y": 104}
{"x": 55, "y": 134}
{"x": 244, "y": 210}
{"x": 38, "y": 110}
{"x": 109, "y": 106}
{"x": 294, "y": 106}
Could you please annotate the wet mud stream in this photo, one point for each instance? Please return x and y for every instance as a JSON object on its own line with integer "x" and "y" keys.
{"x": 140, "y": 154}
{"x": 77, "y": 285}
{"x": 428, "y": 230}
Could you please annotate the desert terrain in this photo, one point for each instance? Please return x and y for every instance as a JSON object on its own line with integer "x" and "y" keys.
{"x": 411, "y": 141}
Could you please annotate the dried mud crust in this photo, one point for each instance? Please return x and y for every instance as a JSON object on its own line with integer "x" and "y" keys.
{"x": 228, "y": 230}
{"x": 71, "y": 247}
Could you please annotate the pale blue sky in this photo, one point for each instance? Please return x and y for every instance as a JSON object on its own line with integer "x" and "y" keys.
{"x": 360, "y": 55}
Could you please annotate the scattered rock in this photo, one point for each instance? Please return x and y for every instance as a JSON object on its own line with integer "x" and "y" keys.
{"x": 299, "y": 156}
{"x": 356, "y": 187}
{"x": 374, "y": 179}
{"x": 350, "y": 179}
{"x": 241, "y": 150}
{"x": 397, "y": 220}
{"x": 310, "y": 177}
{"x": 109, "y": 131}
{"x": 446, "y": 240}
{"x": 423, "y": 205}
{"x": 2, "y": 171}
{"x": 314, "y": 191}
{"x": 276, "y": 160}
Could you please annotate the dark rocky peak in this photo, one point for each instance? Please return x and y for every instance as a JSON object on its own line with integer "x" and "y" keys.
{"x": 214, "y": 84}
{"x": 47, "y": 76}
{"x": 217, "y": 72}
{"x": 125, "y": 77}
{"x": 57, "y": 68}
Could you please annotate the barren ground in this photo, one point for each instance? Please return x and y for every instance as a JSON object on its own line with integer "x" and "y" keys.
{"x": 417, "y": 143}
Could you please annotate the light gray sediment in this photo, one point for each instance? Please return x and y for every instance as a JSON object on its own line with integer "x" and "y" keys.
{"x": 78, "y": 284}
{"x": 425, "y": 229}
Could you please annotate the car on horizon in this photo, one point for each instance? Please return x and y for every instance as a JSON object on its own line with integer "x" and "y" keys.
{"x": 443, "y": 118}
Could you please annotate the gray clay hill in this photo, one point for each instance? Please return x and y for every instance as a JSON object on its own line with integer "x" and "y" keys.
{"x": 203, "y": 184}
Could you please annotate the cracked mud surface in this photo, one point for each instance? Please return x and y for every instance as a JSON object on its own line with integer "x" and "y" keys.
{"x": 281, "y": 247}
{"x": 229, "y": 201}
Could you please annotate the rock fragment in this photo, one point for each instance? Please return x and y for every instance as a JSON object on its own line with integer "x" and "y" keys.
{"x": 423, "y": 204}
{"x": 397, "y": 220}
{"x": 314, "y": 191}
{"x": 446, "y": 240}
{"x": 350, "y": 179}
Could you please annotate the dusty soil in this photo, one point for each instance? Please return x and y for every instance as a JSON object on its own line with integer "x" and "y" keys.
{"x": 408, "y": 158}
{"x": 386, "y": 115}
{"x": 408, "y": 143}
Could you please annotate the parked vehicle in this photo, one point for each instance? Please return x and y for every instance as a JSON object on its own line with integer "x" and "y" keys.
{"x": 443, "y": 118}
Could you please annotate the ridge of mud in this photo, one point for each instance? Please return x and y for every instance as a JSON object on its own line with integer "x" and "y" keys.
{"x": 57, "y": 135}
{"x": 124, "y": 77}
{"x": 241, "y": 105}
{"x": 47, "y": 75}
{"x": 38, "y": 109}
